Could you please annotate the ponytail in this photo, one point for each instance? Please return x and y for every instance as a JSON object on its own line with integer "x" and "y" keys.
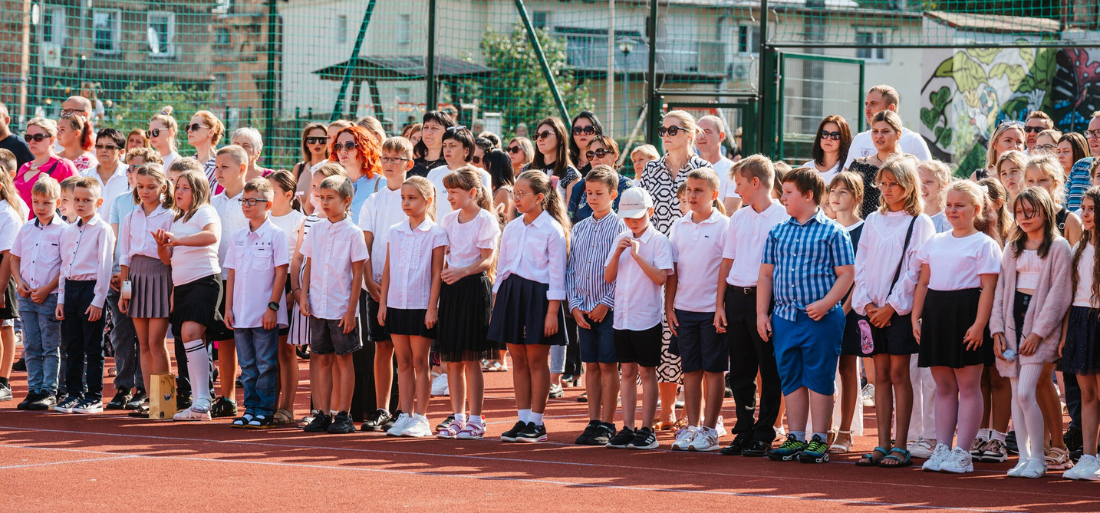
{"x": 551, "y": 200}
{"x": 426, "y": 190}
{"x": 469, "y": 179}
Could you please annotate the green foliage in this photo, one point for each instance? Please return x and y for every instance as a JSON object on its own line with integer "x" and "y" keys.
{"x": 137, "y": 103}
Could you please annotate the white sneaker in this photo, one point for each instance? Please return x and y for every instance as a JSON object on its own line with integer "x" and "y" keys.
{"x": 721, "y": 429}
{"x": 935, "y": 461}
{"x": 1086, "y": 466}
{"x": 921, "y": 449}
{"x": 402, "y": 422}
{"x": 440, "y": 386}
{"x": 869, "y": 396}
{"x": 418, "y": 427}
{"x": 199, "y": 411}
{"x": 684, "y": 439}
{"x": 705, "y": 440}
{"x": 1020, "y": 466}
{"x": 1085, "y": 473}
{"x": 1036, "y": 468}
{"x": 958, "y": 461}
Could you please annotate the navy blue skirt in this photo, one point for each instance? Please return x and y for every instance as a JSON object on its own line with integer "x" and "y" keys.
{"x": 519, "y": 314}
{"x": 1081, "y": 354}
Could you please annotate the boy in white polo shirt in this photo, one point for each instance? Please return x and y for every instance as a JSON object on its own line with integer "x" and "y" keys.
{"x": 736, "y": 309}
{"x": 690, "y": 296}
{"x": 255, "y": 305}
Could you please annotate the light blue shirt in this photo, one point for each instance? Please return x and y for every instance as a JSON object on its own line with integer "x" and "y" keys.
{"x": 364, "y": 188}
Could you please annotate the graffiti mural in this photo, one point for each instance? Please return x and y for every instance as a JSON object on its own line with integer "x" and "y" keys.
{"x": 969, "y": 92}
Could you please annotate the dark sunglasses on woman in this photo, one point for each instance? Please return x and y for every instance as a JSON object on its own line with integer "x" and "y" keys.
{"x": 316, "y": 140}
{"x": 586, "y": 130}
{"x": 350, "y": 145}
{"x": 830, "y": 135}
{"x": 671, "y": 131}
{"x": 597, "y": 154}
{"x": 514, "y": 149}
{"x": 35, "y": 137}
{"x": 194, "y": 127}
{"x": 154, "y": 132}
{"x": 544, "y": 134}
{"x": 475, "y": 159}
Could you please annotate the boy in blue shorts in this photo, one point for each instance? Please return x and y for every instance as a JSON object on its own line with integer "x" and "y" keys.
{"x": 808, "y": 263}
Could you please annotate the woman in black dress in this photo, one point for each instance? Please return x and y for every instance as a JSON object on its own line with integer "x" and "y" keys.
{"x": 885, "y": 134}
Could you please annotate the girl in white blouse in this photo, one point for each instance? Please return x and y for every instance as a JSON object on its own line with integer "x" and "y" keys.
{"x": 285, "y": 215}
{"x": 409, "y": 304}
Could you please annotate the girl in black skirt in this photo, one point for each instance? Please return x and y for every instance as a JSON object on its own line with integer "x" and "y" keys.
{"x": 409, "y": 304}
{"x": 845, "y": 198}
{"x": 465, "y": 300}
{"x": 1080, "y": 351}
{"x": 527, "y": 311}
{"x": 951, "y": 309}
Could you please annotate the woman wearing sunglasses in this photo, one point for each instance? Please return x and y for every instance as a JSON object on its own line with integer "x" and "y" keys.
{"x": 74, "y": 134}
{"x": 830, "y": 149}
{"x": 521, "y": 151}
{"x": 885, "y": 134}
{"x": 552, "y": 156}
{"x": 585, "y": 128}
{"x": 41, "y": 134}
{"x": 1008, "y": 136}
{"x": 358, "y": 153}
{"x": 162, "y": 135}
{"x": 314, "y": 147}
{"x": 204, "y": 131}
{"x": 602, "y": 151}
{"x": 428, "y": 153}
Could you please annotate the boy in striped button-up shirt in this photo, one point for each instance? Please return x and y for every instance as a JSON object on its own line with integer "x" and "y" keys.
{"x": 807, "y": 266}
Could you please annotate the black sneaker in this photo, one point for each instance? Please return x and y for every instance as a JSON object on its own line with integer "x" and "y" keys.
{"x": 118, "y": 402}
{"x": 20, "y": 365}
{"x": 789, "y": 450}
{"x": 736, "y": 447}
{"x": 586, "y": 435}
{"x": 817, "y": 451}
{"x": 512, "y": 434}
{"x": 5, "y": 393}
{"x": 532, "y": 433}
{"x": 756, "y": 449}
{"x": 1010, "y": 443}
{"x": 1072, "y": 439}
{"x": 392, "y": 420}
{"x": 729, "y": 393}
{"x": 44, "y": 402}
{"x": 375, "y": 420}
{"x": 223, "y": 407}
{"x": 137, "y": 400}
{"x": 446, "y": 423}
{"x": 31, "y": 397}
{"x": 621, "y": 439}
{"x": 319, "y": 424}
{"x": 341, "y": 424}
{"x": 644, "y": 438}
{"x": 183, "y": 403}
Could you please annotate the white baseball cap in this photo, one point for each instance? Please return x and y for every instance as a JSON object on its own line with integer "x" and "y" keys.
{"x": 634, "y": 203}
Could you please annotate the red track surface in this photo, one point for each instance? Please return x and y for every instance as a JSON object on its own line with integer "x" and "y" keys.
{"x": 110, "y": 462}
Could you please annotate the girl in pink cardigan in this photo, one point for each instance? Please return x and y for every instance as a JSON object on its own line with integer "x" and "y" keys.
{"x": 1032, "y": 296}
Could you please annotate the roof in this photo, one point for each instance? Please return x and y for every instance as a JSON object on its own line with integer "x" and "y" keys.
{"x": 403, "y": 67}
{"x": 995, "y": 23}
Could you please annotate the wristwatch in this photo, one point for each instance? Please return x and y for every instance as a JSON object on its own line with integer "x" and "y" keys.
{"x": 273, "y": 306}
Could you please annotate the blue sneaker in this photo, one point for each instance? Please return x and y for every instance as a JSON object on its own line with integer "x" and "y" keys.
{"x": 815, "y": 452}
{"x": 790, "y": 450}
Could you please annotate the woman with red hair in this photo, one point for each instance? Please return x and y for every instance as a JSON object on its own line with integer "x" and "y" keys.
{"x": 74, "y": 135}
{"x": 358, "y": 152}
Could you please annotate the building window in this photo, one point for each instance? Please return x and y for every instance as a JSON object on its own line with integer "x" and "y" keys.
{"x": 404, "y": 22}
{"x": 342, "y": 28}
{"x": 222, "y": 36}
{"x": 107, "y": 25}
{"x": 162, "y": 33}
{"x": 871, "y": 43}
{"x": 748, "y": 39}
{"x": 538, "y": 19}
{"x": 53, "y": 25}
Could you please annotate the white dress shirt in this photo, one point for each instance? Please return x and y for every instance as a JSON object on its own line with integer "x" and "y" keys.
{"x": 332, "y": 248}
{"x": 116, "y": 184}
{"x": 190, "y": 263}
{"x": 910, "y": 142}
{"x": 380, "y": 211}
{"x": 135, "y": 234}
{"x": 536, "y": 252}
{"x": 410, "y": 259}
{"x": 87, "y": 251}
{"x": 442, "y": 206}
{"x": 233, "y": 220}
{"x": 697, "y": 248}
{"x": 748, "y": 232}
{"x": 878, "y": 256}
{"x": 466, "y": 240}
{"x": 727, "y": 188}
{"x": 826, "y": 175}
{"x": 253, "y": 257}
{"x": 10, "y": 223}
{"x": 639, "y": 302}
{"x": 38, "y": 247}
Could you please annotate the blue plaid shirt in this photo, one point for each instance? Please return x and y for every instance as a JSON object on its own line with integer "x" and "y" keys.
{"x": 804, "y": 256}
{"x": 1078, "y": 182}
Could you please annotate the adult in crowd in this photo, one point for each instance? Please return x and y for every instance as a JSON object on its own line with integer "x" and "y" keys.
{"x": 831, "y": 144}
{"x": 252, "y": 142}
{"x": 109, "y": 169}
{"x": 314, "y": 145}
{"x": 602, "y": 151}
{"x": 886, "y": 133}
{"x": 521, "y": 151}
{"x": 1079, "y": 179}
{"x": 712, "y": 132}
{"x": 412, "y": 132}
{"x": 137, "y": 139}
{"x": 74, "y": 136}
{"x": 499, "y": 166}
{"x": 585, "y": 127}
{"x": 1073, "y": 147}
{"x": 493, "y": 139}
{"x": 881, "y": 98}
{"x": 1009, "y": 136}
{"x": 482, "y": 147}
{"x": 356, "y": 151}
{"x": 375, "y": 128}
{"x": 77, "y": 105}
{"x": 12, "y": 142}
{"x": 204, "y": 132}
{"x": 162, "y": 135}
{"x": 428, "y": 153}
{"x": 552, "y": 157}
{"x": 1037, "y": 121}
{"x": 40, "y": 136}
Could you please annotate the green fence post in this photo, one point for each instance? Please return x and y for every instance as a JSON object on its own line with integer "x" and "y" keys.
{"x": 542, "y": 61}
{"x": 654, "y": 112}
{"x": 429, "y": 65}
{"x": 336, "y": 109}
{"x": 269, "y": 82}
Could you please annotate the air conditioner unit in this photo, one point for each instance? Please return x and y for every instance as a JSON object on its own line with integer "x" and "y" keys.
{"x": 743, "y": 67}
{"x": 51, "y": 55}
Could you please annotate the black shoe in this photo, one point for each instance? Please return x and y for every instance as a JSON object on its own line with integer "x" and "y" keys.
{"x": 512, "y": 434}
{"x": 302, "y": 352}
{"x": 118, "y": 402}
{"x": 20, "y": 365}
{"x": 756, "y": 449}
{"x": 223, "y": 407}
{"x": 138, "y": 398}
{"x": 644, "y": 438}
{"x": 31, "y": 397}
{"x": 446, "y": 423}
{"x": 604, "y": 433}
{"x": 532, "y": 433}
{"x": 586, "y": 435}
{"x": 375, "y": 420}
{"x": 44, "y": 402}
{"x": 729, "y": 392}
{"x": 183, "y": 403}
{"x": 1072, "y": 439}
{"x": 238, "y": 382}
{"x": 5, "y": 393}
{"x": 737, "y": 446}
{"x": 141, "y": 412}
{"x": 341, "y": 424}
{"x": 621, "y": 439}
{"x": 319, "y": 424}
{"x": 392, "y": 420}
{"x": 1010, "y": 443}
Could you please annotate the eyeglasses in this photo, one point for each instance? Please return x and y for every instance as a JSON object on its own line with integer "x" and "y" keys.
{"x": 251, "y": 202}
{"x": 475, "y": 159}
{"x": 514, "y": 149}
{"x": 67, "y": 112}
{"x": 1092, "y": 134}
{"x": 830, "y": 135}
{"x": 194, "y": 127}
{"x": 35, "y": 137}
{"x": 110, "y": 147}
{"x": 671, "y": 131}
{"x": 350, "y": 145}
{"x": 154, "y": 132}
{"x": 393, "y": 160}
{"x": 316, "y": 140}
{"x": 886, "y": 185}
{"x": 1050, "y": 148}
{"x": 544, "y": 134}
{"x": 586, "y": 130}
{"x": 1033, "y": 129}
{"x": 518, "y": 195}
{"x": 597, "y": 154}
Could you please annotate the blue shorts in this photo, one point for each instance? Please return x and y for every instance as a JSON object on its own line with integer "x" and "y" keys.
{"x": 598, "y": 343}
{"x": 698, "y": 343}
{"x": 806, "y": 351}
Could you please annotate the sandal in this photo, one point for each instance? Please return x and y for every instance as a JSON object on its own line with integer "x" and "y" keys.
{"x": 904, "y": 461}
{"x": 495, "y": 366}
{"x": 283, "y": 417}
{"x": 241, "y": 421}
{"x": 868, "y": 460}
{"x": 841, "y": 448}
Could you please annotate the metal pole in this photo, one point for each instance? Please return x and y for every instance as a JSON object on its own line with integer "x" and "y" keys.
{"x": 336, "y": 109}
{"x": 549, "y": 75}
{"x": 765, "y": 58}
{"x": 429, "y": 65}
{"x": 651, "y": 75}
{"x": 269, "y": 89}
{"x": 610, "y": 121}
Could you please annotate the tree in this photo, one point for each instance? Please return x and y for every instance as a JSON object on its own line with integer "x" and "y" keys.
{"x": 136, "y": 104}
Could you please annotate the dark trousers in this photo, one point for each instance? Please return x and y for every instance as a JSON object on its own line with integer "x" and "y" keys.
{"x": 83, "y": 341}
{"x": 1072, "y": 394}
{"x": 363, "y": 400}
{"x": 573, "y": 365}
{"x": 748, "y": 355}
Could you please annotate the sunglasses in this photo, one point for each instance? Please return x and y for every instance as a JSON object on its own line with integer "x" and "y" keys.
{"x": 830, "y": 135}
{"x": 194, "y": 127}
{"x": 35, "y": 137}
{"x": 455, "y": 128}
{"x": 586, "y": 130}
{"x": 67, "y": 112}
{"x": 110, "y": 147}
{"x": 597, "y": 154}
{"x": 1033, "y": 129}
{"x": 544, "y": 134}
{"x": 350, "y": 145}
{"x": 475, "y": 159}
{"x": 1012, "y": 123}
{"x": 671, "y": 131}
{"x": 514, "y": 149}
{"x": 316, "y": 140}
{"x": 154, "y": 132}
{"x": 251, "y": 202}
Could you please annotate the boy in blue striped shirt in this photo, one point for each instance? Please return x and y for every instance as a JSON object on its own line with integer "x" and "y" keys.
{"x": 591, "y": 301}
{"x": 807, "y": 265}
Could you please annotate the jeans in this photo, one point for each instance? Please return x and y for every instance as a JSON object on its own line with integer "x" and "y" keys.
{"x": 41, "y": 343}
{"x": 258, "y": 354}
{"x": 83, "y": 342}
{"x": 125, "y": 343}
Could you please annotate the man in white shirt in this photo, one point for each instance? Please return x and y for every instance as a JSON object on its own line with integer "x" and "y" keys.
{"x": 109, "y": 171}
{"x": 709, "y": 141}
{"x": 880, "y": 98}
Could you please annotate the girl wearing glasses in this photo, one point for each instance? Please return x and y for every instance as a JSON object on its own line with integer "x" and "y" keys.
{"x": 521, "y": 151}
{"x": 204, "y": 131}
{"x": 162, "y": 135}
{"x": 585, "y": 128}
{"x": 830, "y": 149}
{"x": 314, "y": 147}
{"x": 552, "y": 156}
{"x": 356, "y": 150}
{"x": 41, "y": 134}
{"x": 428, "y": 152}
{"x": 886, "y": 132}
{"x": 74, "y": 134}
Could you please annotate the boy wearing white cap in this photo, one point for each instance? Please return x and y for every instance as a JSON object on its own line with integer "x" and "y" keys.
{"x": 639, "y": 263}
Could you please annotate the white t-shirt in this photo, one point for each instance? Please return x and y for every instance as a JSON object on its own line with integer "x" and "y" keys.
{"x": 957, "y": 264}
{"x": 727, "y": 188}
{"x": 1082, "y": 296}
{"x": 466, "y": 240}
{"x": 10, "y": 223}
{"x": 827, "y": 175}
{"x": 289, "y": 224}
{"x": 697, "y": 249}
{"x": 442, "y": 206}
{"x": 639, "y": 302}
{"x": 190, "y": 263}
{"x": 748, "y": 232}
{"x": 911, "y": 143}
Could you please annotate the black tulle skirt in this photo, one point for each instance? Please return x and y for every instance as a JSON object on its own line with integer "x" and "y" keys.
{"x": 464, "y": 309}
